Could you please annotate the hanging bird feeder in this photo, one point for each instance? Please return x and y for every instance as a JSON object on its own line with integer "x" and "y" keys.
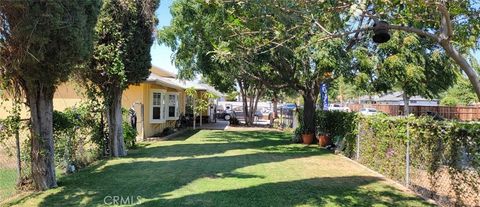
{"x": 380, "y": 30}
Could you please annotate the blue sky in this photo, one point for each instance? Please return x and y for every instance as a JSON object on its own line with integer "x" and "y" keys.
{"x": 161, "y": 55}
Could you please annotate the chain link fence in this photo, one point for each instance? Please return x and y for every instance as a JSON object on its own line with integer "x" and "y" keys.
{"x": 443, "y": 169}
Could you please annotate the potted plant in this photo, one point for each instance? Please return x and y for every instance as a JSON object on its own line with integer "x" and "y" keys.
{"x": 307, "y": 136}
{"x": 323, "y": 138}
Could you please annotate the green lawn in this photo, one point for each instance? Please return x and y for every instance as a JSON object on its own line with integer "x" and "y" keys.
{"x": 225, "y": 168}
{"x": 7, "y": 183}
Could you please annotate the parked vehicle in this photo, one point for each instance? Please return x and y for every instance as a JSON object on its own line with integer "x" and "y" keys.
{"x": 368, "y": 111}
{"x": 289, "y": 106}
{"x": 238, "y": 113}
{"x": 338, "y": 107}
{"x": 227, "y": 114}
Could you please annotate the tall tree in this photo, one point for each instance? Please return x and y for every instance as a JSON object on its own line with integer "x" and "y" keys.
{"x": 407, "y": 63}
{"x": 459, "y": 94}
{"x": 286, "y": 35}
{"x": 462, "y": 92}
{"x": 124, "y": 35}
{"x": 196, "y": 36}
{"x": 272, "y": 43}
{"x": 41, "y": 44}
{"x": 453, "y": 25}
{"x": 415, "y": 66}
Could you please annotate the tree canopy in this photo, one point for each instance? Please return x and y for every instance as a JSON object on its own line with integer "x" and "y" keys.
{"x": 42, "y": 42}
{"x": 406, "y": 62}
{"x": 302, "y": 44}
{"x": 121, "y": 56}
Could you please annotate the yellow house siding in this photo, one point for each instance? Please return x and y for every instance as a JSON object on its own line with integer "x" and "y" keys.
{"x": 6, "y": 106}
{"x": 68, "y": 90}
{"x": 152, "y": 129}
{"x": 133, "y": 94}
{"x": 136, "y": 96}
{"x": 65, "y": 96}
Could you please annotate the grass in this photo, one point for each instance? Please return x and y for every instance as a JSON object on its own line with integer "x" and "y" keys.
{"x": 7, "y": 183}
{"x": 225, "y": 168}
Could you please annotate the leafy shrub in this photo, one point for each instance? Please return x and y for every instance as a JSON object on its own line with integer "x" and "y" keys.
{"x": 234, "y": 121}
{"x": 165, "y": 132}
{"x": 297, "y": 134}
{"x": 341, "y": 125}
{"x": 74, "y": 132}
{"x": 168, "y": 131}
{"x": 436, "y": 147}
{"x": 336, "y": 123}
{"x": 129, "y": 134}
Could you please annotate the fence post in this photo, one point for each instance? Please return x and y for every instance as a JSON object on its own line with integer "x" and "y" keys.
{"x": 358, "y": 141}
{"x": 19, "y": 160}
{"x": 407, "y": 158}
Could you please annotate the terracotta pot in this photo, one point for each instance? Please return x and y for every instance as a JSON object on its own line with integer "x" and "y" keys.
{"x": 323, "y": 140}
{"x": 307, "y": 138}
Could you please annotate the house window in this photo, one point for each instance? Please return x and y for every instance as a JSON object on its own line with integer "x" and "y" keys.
{"x": 158, "y": 106}
{"x": 172, "y": 106}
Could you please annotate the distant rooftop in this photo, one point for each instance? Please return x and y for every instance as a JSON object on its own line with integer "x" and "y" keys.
{"x": 164, "y": 77}
{"x": 394, "y": 96}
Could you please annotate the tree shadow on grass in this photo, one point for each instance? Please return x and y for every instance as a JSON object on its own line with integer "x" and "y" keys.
{"x": 338, "y": 191}
{"x": 66, "y": 180}
{"x": 150, "y": 179}
{"x": 219, "y": 142}
{"x": 154, "y": 179}
{"x": 183, "y": 135}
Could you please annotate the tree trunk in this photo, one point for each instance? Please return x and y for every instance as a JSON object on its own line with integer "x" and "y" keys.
{"x": 115, "y": 129}
{"x": 194, "y": 113}
{"x": 246, "y": 111}
{"x": 406, "y": 104}
{"x": 275, "y": 107}
{"x": 251, "y": 100}
{"x": 464, "y": 65}
{"x": 309, "y": 112}
{"x": 257, "y": 98}
{"x": 244, "y": 101}
{"x": 40, "y": 101}
{"x": 254, "y": 98}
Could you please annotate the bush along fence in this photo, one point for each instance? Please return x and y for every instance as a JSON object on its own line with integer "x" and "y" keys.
{"x": 79, "y": 138}
{"x": 439, "y": 160}
{"x": 340, "y": 126}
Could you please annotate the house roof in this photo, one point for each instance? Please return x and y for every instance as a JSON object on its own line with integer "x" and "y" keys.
{"x": 395, "y": 96}
{"x": 211, "y": 89}
{"x": 170, "y": 82}
{"x": 164, "y": 77}
{"x": 162, "y": 72}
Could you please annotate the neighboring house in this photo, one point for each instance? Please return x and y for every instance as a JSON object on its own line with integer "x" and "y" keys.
{"x": 396, "y": 98}
{"x": 158, "y": 102}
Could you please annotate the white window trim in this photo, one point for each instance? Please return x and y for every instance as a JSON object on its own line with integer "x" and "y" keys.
{"x": 162, "y": 105}
{"x": 177, "y": 105}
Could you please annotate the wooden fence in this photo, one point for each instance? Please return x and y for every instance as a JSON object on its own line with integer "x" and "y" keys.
{"x": 462, "y": 113}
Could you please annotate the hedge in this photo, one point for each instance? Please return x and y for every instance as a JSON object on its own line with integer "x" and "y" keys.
{"x": 444, "y": 155}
